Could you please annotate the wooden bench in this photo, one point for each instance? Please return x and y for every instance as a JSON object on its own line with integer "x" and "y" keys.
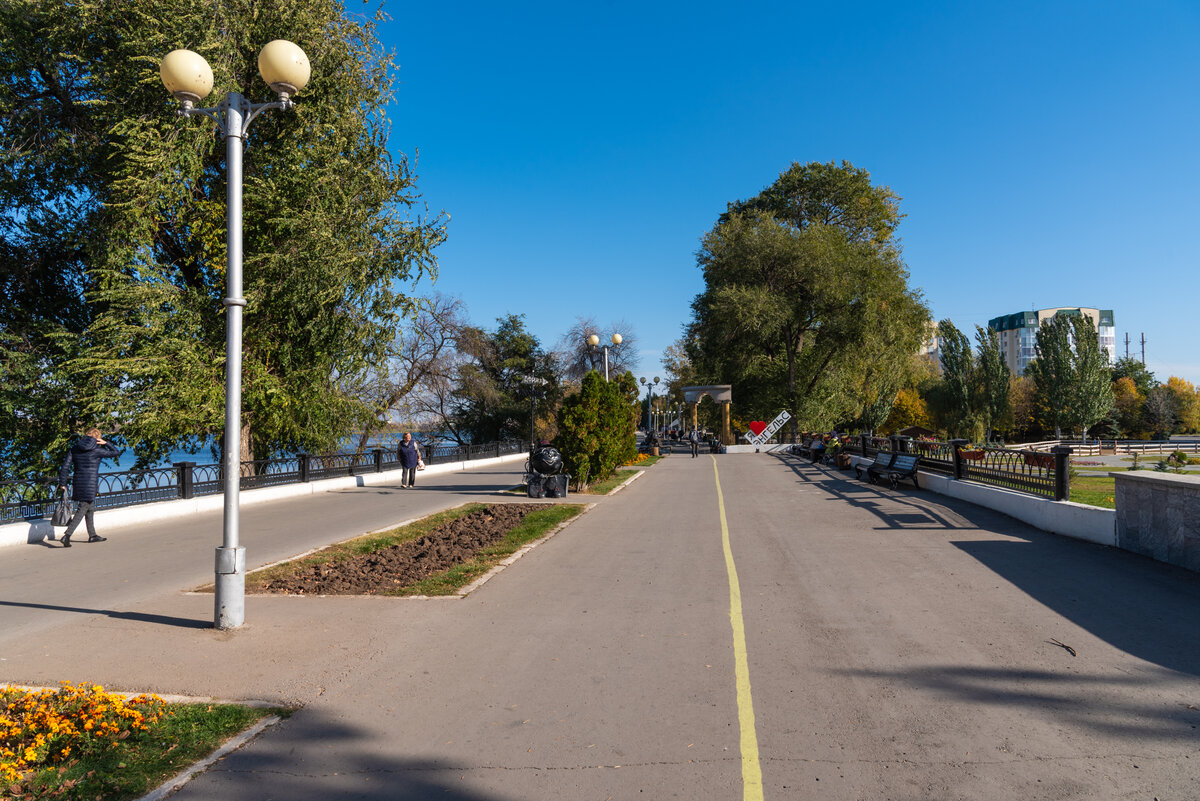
{"x": 904, "y": 466}
{"x": 804, "y": 449}
{"x": 883, "y": 461}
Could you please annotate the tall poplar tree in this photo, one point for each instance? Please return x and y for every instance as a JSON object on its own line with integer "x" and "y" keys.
{"x": 992, "y": 377}
{"x": 113, "y": 226}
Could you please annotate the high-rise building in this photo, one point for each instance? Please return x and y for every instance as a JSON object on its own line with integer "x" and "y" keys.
{"x": 1018, "y": 332}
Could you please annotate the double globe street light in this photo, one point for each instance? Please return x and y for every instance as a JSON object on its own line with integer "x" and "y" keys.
{"x": 188, "y": 77}
{"x": 593, "y": 342}
{"x": 649, "y": 403}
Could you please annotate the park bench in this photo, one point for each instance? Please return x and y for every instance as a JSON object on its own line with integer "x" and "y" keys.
{"x": 804, "y": 448}
{"x": 883, "y": 462}
{"x": 904, "y": 466}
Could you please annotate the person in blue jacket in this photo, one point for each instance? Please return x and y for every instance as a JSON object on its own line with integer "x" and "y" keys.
{"x": 409, "y": 454}
{"x": 85, "y": 455}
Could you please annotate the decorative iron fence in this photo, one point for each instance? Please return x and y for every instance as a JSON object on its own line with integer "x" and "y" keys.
{"x": 1029, "y": 471}
{"x": 30, "y": 499}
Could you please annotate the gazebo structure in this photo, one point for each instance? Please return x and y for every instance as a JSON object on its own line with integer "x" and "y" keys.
{"x": 722, "y": 394}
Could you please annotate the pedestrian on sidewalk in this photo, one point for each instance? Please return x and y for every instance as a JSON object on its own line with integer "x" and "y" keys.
{"x": 409, "y": 454}
{"x": 84, "y": 459}
{"x": 694, "y": 438}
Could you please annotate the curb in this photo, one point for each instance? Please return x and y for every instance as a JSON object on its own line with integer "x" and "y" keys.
{"x": 183, "y": 777}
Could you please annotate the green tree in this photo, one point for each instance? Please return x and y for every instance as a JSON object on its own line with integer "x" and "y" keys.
{"x": 114, "y": 211}
{"x": 1131, "y": 368}
{"x": 992, "y": 380}
{"x": 491, "y": 403}
{"x": 1093, "y": 392}
{"x": 958, "y": 376}
{"x": 798, "y": 284}
{"x": 596, "y": 427}
{"x": 1053, "y": 373}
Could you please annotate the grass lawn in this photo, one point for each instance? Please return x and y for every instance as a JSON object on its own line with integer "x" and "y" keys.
{"x": 1094, "y": 490}
{"x": 535, "y": 526}
{"x": 127, "y": 763}
{"x": 618, "y": 478}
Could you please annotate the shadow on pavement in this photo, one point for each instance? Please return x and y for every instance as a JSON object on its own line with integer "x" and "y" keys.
{"x": 1145, "y": 608}
{"x": 141, "y": 617}
{"x": 1142, "y": 607}
{"x": 871, "y": 498}
{"x": 313, "y": 755}
{"x": 1102, "y": 704}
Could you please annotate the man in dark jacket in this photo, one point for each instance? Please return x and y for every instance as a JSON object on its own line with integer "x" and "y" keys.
{"x": 86, "y": 455}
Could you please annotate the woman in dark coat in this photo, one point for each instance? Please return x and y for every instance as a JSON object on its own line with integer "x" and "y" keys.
{"x": 409, "y": 454}
{"x": 86, "y": 455}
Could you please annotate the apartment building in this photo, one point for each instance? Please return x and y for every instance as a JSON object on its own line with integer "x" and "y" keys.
{"x": 1018, "y": 332}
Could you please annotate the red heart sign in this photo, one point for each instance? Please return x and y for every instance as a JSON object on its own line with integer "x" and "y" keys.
{"x": 758, "y": 426}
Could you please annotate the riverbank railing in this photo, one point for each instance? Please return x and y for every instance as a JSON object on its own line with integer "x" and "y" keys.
{"x": 31, "y": 499}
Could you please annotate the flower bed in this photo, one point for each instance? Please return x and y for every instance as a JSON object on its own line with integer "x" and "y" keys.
{"x": 40, "y": 729}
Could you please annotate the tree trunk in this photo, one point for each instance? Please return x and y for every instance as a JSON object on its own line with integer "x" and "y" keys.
{"x": 247, "y": 446}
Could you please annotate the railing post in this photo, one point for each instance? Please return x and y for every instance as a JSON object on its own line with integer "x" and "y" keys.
{"x": 959, "y": 468}
{"x": 302, "y": 461}
{"x": 378, "y": 460}
{"x": 1062, "y": 472}
{"x": 184, "y": 478}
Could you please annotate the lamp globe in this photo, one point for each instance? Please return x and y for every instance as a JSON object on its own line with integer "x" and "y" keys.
{"x": 186, "y": 75}
{"x": 284, "y": 67}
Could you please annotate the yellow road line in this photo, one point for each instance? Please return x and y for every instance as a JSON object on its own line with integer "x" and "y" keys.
{"x": 752, "y": 789}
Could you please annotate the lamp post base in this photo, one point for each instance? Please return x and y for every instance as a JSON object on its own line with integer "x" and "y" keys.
{"x": 230, "y": 588}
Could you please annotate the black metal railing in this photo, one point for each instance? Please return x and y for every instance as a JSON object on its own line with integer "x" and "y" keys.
{"x": 30, "y": 499}
{"x": 1033, "y": 472}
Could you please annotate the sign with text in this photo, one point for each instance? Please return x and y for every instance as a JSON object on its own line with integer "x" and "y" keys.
{"x": 769, "y": 431}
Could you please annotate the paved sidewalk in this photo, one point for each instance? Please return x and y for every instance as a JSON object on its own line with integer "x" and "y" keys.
{"x": 899, "y": 647}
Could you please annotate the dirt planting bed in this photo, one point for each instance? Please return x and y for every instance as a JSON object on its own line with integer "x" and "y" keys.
{"x": 391, "y": 567}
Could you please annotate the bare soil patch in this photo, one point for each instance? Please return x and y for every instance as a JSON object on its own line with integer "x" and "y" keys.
{"x": 452, "y": 543}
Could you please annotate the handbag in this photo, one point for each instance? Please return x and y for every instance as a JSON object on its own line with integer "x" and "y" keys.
{"x": 420, "y": 464}
{"x": 64, "y": 510}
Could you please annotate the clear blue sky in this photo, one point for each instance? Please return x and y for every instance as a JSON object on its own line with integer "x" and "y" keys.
{"x": 1046, "y": 153}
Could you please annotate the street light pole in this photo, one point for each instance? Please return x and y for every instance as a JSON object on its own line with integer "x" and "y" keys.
{"x": 188, "y": 77}
{"x": 593, "y": 342}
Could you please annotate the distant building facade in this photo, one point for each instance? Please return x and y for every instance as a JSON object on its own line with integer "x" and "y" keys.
{"x": 1018, "y": 332}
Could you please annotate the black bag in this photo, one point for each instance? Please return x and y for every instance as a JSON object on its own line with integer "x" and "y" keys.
{"x": 64, "y": 510}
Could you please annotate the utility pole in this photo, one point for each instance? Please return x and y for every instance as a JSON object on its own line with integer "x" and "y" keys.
{"x": 1143, "y": 348}
{"x": 1126, "y": 344}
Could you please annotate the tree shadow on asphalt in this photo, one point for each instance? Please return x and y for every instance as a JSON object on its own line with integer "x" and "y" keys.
{"x": 315, "y": 755}
{"x": 875, "y": 500}
{"x": 1140, "y": 606}
{"x": 140, "y": 617}
{"x": 1098, "y": 703}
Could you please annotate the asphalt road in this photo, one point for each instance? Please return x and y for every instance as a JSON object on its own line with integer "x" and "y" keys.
{"x": 898, "y": 646}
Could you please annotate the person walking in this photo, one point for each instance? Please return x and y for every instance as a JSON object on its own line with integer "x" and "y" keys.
{"x": 694, "y": 438}
{"x": 84, "y": 459}
{"x": 409, "y": 454}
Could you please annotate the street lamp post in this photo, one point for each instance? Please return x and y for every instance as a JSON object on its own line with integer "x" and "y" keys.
{"x": 649, "y": 403}
{"x": 593, "y": 342}
{"x": 188, "y": 77}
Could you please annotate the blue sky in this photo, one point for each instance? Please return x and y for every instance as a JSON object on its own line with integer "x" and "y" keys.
{"x": 1046, "y": 153}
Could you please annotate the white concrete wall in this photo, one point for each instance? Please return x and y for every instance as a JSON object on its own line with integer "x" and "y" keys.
{"x": 36, "y": 530}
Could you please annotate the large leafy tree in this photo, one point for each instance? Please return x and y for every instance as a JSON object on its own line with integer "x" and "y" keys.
{"x": 802, "y": 282}
{"x": 491, "y": 401}
{"x": 1093, "y": 397}
{"x": 112, "y": 217}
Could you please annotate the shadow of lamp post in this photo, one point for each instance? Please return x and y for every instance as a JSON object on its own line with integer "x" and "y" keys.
{"x": 188, "y": 77}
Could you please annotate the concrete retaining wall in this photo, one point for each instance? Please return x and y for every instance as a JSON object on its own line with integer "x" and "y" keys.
{"x": 1158, "y": 515}
{"x": 40, "y": 529}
